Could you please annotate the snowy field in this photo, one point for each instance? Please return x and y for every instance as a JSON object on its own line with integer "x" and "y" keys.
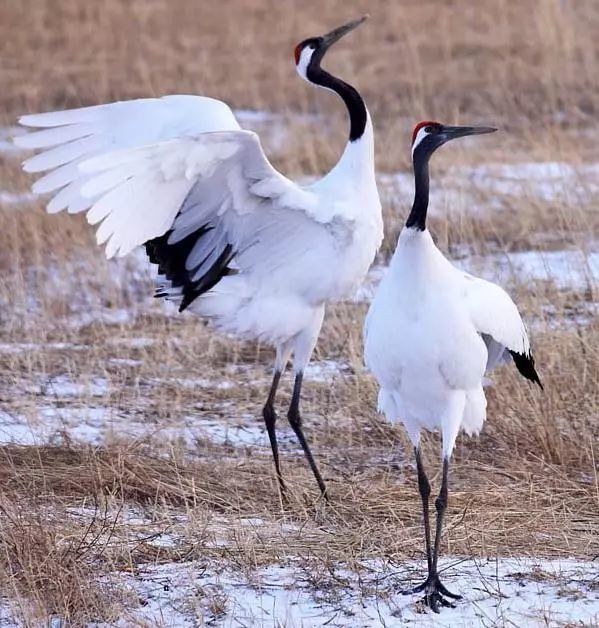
{"x": 73, "y": 391}
{"x": 496, "y": 592}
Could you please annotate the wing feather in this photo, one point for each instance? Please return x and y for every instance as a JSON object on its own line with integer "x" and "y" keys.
{"x": 70, "y": 137}
{"x": 497, "y": 319}
{"x": 494, "y": 313}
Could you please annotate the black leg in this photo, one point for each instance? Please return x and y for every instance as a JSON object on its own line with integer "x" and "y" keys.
{"x": 295, "y": 420}
{"x": 270, "y": 418}
{"x": 425, "y": 490}
{"x": 434, "y": 590}
{"x": 440, "y": 506}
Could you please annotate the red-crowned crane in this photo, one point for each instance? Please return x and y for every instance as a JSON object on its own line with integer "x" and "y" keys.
{"x": 431, "y": 333}
{"x": 235, "y": 241}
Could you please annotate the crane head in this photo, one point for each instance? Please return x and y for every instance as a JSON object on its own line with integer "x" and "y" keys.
{"x": 311, "y": 51}
{"x": 428, "y": 135}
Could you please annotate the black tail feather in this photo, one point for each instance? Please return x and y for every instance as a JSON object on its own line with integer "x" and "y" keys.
{"x": 171, "y": 260}
{"x": 526, "y": 365}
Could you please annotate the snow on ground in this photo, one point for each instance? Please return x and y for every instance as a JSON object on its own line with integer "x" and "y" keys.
{"x": 524, "y": 592}
{"x": 459, "y": 187}
{"x": 98, "y": 424}
{"x": 7, "y": 619}
{"x": 81, "y": 410}
{"x": 497, "y": 592}
{"x": 325, "y": 370}
{"x": 571, "y": 269}
{"x": 24, "y": 347}
{"x": 547, "y": 180}
{"x": 60, "y": 386}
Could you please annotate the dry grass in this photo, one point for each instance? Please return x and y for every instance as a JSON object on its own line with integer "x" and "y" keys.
{"x": 528, "y": 485}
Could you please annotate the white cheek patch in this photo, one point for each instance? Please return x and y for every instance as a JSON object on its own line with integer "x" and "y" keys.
{"x": 304, "y": 62}
{"x": 419, "y": 137}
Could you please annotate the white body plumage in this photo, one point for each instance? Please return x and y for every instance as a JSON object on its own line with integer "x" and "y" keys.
{"x": 431, "y": 333}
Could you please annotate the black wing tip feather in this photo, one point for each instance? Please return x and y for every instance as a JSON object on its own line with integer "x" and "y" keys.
{"x": 171, "y": 259}
{"x": 525, "y": 363}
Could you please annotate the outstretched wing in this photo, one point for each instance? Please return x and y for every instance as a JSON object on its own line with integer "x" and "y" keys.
{"x": 67, "y": 138}
{"x": 204, "y": 204}
{"x": 220, "y": 183}
{"x": 497, "y": 319}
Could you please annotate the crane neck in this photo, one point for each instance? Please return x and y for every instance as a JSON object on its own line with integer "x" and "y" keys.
{"x": 417, "y": 218}
{"x": 356, "y": 108}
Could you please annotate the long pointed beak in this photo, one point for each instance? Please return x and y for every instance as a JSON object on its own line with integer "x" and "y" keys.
{"x": 451, "y": 132}
{"x": 330, "y": 38}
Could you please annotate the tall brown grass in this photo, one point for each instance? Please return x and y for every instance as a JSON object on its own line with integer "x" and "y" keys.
{"x": 528, "y": 485}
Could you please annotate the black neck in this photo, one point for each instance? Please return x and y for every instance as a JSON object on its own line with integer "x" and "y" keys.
{"x": 352, "y": 99}
{"x": 417, "y": 217}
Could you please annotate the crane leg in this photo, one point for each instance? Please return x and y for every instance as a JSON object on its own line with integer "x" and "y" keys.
{"x": 435, "y": 591}
{"x": 295, "y": 420}
{"x": 424, "y": 488}
{"x": 270, "y": 418}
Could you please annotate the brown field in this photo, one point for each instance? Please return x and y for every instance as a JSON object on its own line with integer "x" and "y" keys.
{"x": 81, "y": 336}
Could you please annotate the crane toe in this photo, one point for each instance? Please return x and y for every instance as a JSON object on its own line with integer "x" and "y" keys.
{"x": 435, "y": 594}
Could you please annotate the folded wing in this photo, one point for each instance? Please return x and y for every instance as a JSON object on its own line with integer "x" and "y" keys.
{"x": 497, "y": 319}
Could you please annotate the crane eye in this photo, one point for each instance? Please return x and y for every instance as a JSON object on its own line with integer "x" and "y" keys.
{"x": 429, "y": 129}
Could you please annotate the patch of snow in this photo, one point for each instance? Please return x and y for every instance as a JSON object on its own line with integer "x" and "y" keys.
{"x": 97, "y": 424}
{"x": 526, "y": 592}
{"x": 571, "y": 269}
{"x": 85, "y": 425}
{"x": 163, "y": 540}
{"x": 76, "y": 409}
{"x": 255, "y": 116}
{"x": 124, "y": 362}
{"x": 249, "y": 431}
{"x": 325, "y": 370}
{"x": 7, "y": 617}
{"x": 24, "y": 347}
{"x": 137, "y": 342}
{"x": 112, "y": 316}
{"x": 581, "y": 313}
{"x": 16, "y": 429}
{"x": 130, "y": 277}
{"x": 459, "y": 187}
{"x": 251, "y": 117}
{"x": 275, "y": 128}
{"x": 203, "y": 382}
{"x": 549, "y": 180}
{"x": 69, "y": 409}
{"x": 64, "y": 386}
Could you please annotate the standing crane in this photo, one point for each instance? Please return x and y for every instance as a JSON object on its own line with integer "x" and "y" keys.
{"x": 234, "y": 240}
{"x": 431, "y": 333}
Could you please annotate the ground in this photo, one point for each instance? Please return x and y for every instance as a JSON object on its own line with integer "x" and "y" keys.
{"x": 137, "y": 481}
